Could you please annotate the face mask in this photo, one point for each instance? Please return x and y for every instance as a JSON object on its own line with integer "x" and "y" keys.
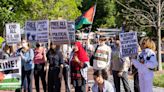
{"x": 24, "y": 45}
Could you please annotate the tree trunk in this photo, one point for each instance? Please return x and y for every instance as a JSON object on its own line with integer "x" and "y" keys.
{"x": 159, "y": 49}
{"x": 159, "y": 36}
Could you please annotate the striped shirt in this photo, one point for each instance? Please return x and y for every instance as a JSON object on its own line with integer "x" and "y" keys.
{"x": 102, "y": 57}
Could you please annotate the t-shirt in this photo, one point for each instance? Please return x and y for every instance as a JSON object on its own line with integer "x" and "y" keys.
{"x": 39, "y": 55}
{"x": 55, "y": 59}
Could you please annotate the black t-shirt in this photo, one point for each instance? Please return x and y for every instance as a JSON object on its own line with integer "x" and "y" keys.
{"x": 55, "y": 59}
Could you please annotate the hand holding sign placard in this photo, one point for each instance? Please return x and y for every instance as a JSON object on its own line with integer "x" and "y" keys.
{"x": 30, "y": 31}
{"x": 59, "y": 32}
{"x": 129, "y": 44}
{"x": 13, "y": 34}
{"x": 42, "y": 27}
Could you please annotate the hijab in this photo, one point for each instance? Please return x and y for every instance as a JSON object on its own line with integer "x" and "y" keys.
{"x": 81, "y": 53}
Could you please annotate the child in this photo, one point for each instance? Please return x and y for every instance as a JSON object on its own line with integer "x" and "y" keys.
{"x": 145, "y": 64}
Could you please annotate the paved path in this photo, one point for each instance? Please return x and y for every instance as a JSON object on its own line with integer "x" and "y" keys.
{"x": 91, "y": 81}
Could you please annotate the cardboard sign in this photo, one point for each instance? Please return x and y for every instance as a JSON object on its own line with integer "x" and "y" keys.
{"x": 13, "y": 34}
{"x": 128, "y": 44}
{"x": 42, "y": 27}
{"x": 58, "y": 32}
{"x": 30, "y": 31}
{"x": 71, "y": 30}
{"x": 10, "y": 73}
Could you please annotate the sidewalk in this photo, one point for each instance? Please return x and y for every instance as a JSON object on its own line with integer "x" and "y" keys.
{"x": 91, "y": 81}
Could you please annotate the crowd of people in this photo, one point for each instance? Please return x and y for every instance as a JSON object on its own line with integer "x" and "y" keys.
{"x": 73, "y": 60}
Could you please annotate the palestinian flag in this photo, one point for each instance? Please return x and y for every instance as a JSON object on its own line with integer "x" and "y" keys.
{"x": 86, "y": 18}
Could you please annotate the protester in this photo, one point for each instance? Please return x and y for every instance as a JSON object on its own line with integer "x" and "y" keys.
{"x": 27, "y": 56}
{"x": 135, "y": 75}
{"x": 79, "y": 64}
{"x": 55, "y": 59}
{"x": 6, "y": 52}
{"x": 39, "y": 69}
{"x": 146, "y": 64}
{"x": 102, "y": 55}
{"x": 101, "y": 83}
{"x": 119, "y": 68}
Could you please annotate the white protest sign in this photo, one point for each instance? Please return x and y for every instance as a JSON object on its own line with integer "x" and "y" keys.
{"x": 10, "y": 73}
{"x": 58, "y": 32}
{"x": 71, "y": 30}
{"x": 128, "y": 44}
{"x": 42, "y": 27}
{"x": 13, "y": 34}
{"x": 30, "y": 31}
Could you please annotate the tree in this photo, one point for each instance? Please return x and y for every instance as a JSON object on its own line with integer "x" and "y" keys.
{"x": 22, "y": 10}
{"x": 147, "y": 13}
{"x": 53, "y": 9}
{"x": 106, "y": 13}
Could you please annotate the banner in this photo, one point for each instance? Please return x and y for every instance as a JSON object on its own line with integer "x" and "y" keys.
{"x": 10, "y": 73}
{"x": 42, "y": 27}
{"x": 13, "y": 34}
{"x": 30, "y": 31}
{"x": 128, "y": 44}
{"x": 58, "y": 32}
{"x": 71, "y": 30}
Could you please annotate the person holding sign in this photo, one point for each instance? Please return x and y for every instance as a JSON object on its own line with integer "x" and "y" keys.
{"x": 119, "y": 68}
{"x": 39, "y": 69}
{"x": 6, "y": 52}
{"x": 55, "y": 59}
{"x": 27, "y": 55}
{"x": 146, "y": 64}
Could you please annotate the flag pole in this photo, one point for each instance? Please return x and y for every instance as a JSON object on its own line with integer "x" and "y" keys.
{"x": 90, "y": 27}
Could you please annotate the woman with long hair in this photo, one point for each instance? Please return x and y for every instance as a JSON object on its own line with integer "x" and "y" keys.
{"x": 55, "y": 59}
{"x": 39, "y": 69}
{"x": 27, "y": 55}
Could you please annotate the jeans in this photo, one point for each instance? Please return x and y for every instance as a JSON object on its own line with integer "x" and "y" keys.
{"x": 79, "y": 88}
{"x": 124, "y": 79}
{"x": 66, "y": 74}
{"x": 136, "y": 83}
{"x": 54, "y": 82}
{"x": 28, "y": 75}
{"x": 39, "y": 72}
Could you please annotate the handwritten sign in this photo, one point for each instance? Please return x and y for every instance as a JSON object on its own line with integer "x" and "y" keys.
{"x": 71, "y": 30}
{"x": 13, "y": 34}
{"x": 42, "y": 27}
{"x": 129, "y": 44}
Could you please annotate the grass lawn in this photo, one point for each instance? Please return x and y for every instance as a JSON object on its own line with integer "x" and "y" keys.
{"x": 9, "y": 87}
{"x": 159, "y": 78}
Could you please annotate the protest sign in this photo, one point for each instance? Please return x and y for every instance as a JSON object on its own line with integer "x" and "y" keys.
{"x": 13, "y": 34}
{"x": 30, "y": 31}
{"x": 58, "y": 32}
{"x": 10, "y": 73}
{"x": 42, "y": 27}
{"x": 71, "y": 30}
{"x": 128, "y": 44}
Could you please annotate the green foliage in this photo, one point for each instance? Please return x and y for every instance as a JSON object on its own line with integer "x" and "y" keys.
{"x": 106, "y": 12}
{"x": 22, "y": 10}
{"x": 159, "y": 80}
